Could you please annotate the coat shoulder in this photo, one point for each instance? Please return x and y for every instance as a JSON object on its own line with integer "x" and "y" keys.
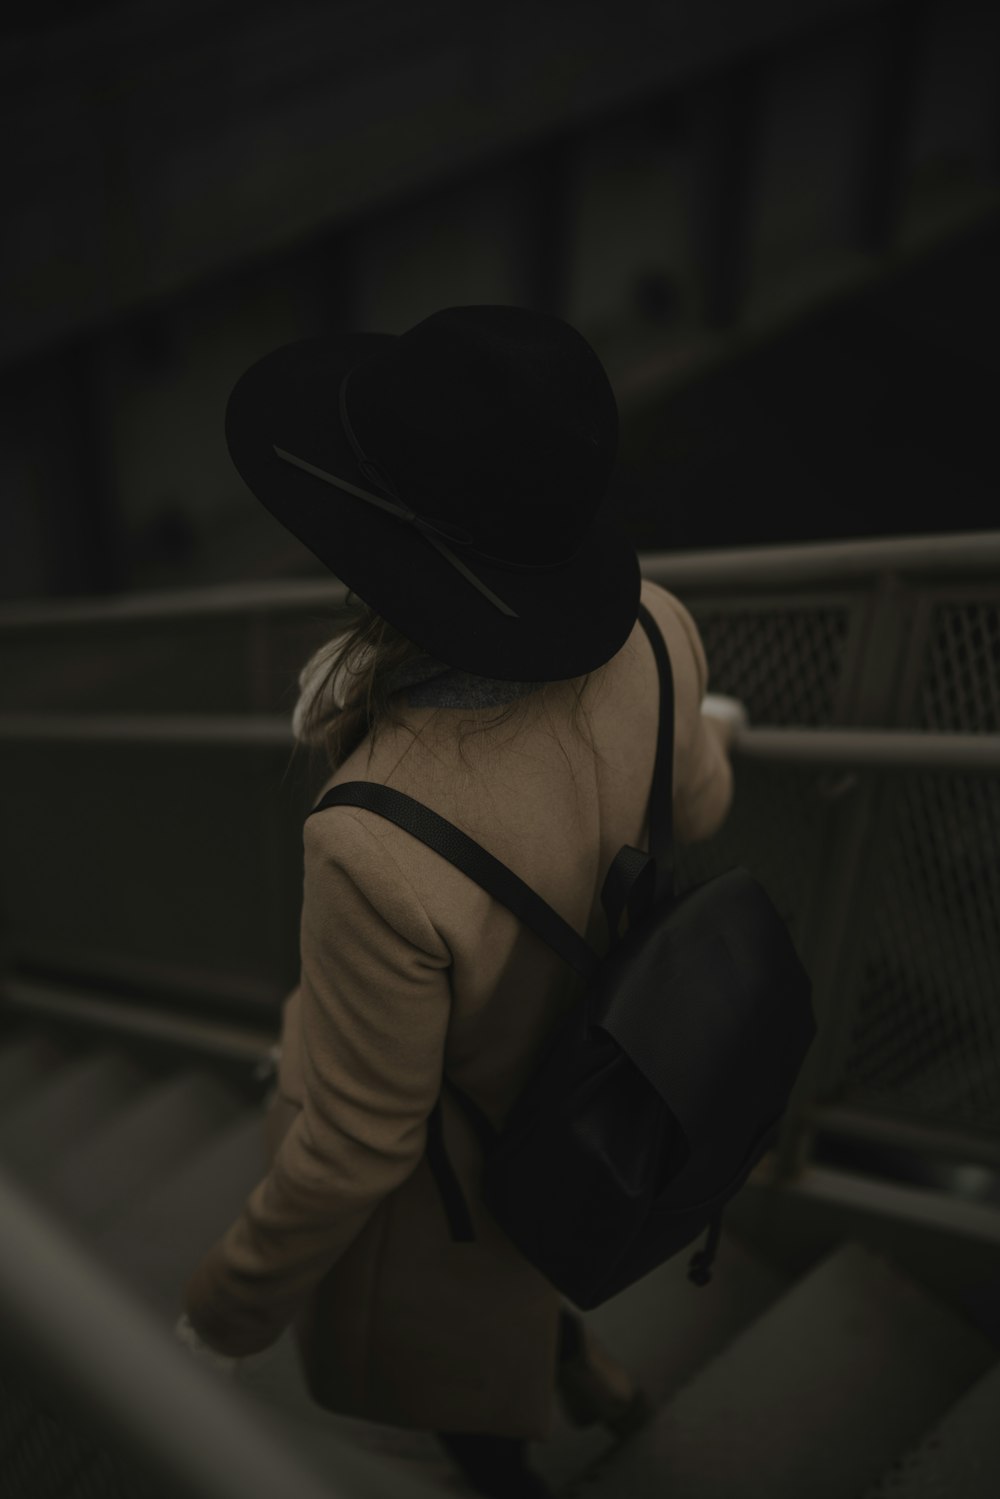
{"x": 669, "y": 611}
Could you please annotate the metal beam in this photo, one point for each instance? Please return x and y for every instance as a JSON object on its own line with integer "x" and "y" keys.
{"x": 548, "y": 224}
{"x": 139, "y": 1020}
{"x": 844, "y": 1122}
{"x": 897, "y": 31}
{"x": 726, "y": 116}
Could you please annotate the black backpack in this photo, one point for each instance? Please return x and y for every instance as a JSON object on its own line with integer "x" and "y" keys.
{"x": 667, "y": 1081}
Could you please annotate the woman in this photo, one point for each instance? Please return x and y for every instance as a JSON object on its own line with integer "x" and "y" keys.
{"x": 461, "y": 478}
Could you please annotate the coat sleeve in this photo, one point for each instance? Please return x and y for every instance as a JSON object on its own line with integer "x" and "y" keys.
{"x": 704, "y": 792}
{"x": 375, "y": 1004}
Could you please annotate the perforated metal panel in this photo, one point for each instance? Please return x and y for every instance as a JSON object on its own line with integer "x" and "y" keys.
{"x": 924, "y": 990}
{"x": 786, "y": 664}
{"x": 960, "y": 687}
{"x": 921, "y": 956}
{"x": 925, "y": 1043}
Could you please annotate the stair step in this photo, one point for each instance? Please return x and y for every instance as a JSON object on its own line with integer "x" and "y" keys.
{"x": 663, "y": 1330}
{"x": 100, "y": 1177}
{"x": 72, "y": 1102}
{"x": 157, "y": 1242}
{"x": 960, "y": 1457}
{"x": 854, "y": 1359}
{"x": 819, "y": 1396}
{"x": 317, "y": 1436}
{"x": 631, "y": 1326}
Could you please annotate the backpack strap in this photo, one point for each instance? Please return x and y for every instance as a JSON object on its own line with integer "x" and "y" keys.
{"x": 469, "y": 856}
{"x": 634, "y": 878}
{"x": 661, "y": 796}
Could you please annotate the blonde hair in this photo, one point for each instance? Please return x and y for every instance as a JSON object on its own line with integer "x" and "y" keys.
{"x": 345, "y": 692}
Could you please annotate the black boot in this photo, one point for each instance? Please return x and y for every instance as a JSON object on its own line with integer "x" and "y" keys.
{"x": 592, "y": 1386}
{"x": 495, "y": 1466}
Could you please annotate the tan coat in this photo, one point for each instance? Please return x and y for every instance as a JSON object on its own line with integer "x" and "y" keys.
{"x": 409, "y": 967}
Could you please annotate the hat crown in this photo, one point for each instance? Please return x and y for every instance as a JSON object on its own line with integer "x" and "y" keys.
{"x": 495, "y": 419}
{"x": 495, "y": 423}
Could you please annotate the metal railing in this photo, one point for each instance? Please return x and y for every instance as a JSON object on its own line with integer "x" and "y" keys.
{"x": 841, "y": 652}
{"x": 845, "y": 748}
{"x": 890, "y": 652}
{"x": 867, "y": 800}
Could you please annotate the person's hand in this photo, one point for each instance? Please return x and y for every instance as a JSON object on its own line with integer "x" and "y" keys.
{"x": 728, "y": 712}
{"x": 185, "y": 1333}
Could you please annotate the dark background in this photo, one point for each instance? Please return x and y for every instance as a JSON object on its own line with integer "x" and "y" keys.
{"x": 878, "y": 418}
{"x": 777, "y": 224}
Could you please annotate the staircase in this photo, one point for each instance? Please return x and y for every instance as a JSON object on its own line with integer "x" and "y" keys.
{"x": 847, "y": 1380}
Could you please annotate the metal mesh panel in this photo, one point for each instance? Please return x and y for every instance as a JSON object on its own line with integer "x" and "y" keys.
{"x": 960, "y": 686}
{"x": 785, "y": 665}
{"x": 926, "y": 1037}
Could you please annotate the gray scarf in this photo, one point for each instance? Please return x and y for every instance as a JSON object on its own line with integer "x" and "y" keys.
{"x": 431, "y": 684}
{"x": 427, "y": 684}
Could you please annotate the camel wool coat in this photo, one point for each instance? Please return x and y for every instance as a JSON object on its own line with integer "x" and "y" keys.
{"x": 408, "y": 968}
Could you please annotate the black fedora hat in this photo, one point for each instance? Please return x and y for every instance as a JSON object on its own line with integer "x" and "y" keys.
{"x": 461, "y": 478}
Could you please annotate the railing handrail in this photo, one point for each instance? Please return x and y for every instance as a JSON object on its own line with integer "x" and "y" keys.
{"x": 139, "y": 1392}
{"x": 858, "y": 748}
{"x": 972, "y": 553}
{"x": 828, "y": 562}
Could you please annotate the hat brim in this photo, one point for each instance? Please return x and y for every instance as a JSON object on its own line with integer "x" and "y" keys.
{"x": 571, "y": 618}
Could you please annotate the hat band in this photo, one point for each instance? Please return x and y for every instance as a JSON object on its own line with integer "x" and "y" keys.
{"x": 432, "y": 529}
{"x": 427, "y": 527}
